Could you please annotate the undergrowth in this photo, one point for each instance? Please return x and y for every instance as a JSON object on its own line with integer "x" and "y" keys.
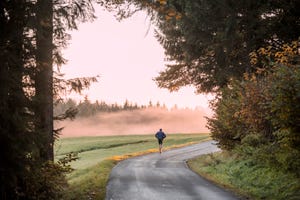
{"x": 246, "y": 177}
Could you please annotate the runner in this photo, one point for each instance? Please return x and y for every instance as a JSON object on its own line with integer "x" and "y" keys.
{"x": 160, "y": 135}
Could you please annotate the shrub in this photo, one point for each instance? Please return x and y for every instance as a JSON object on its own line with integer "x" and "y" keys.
{"x": 260, "y": 115}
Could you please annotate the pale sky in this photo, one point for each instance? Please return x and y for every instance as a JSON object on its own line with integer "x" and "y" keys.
{"x": 127, "y": 57}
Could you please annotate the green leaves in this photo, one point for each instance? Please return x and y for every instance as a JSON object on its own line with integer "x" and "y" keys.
{"x": 259, "y": 115}
{"x": 213, "y": 39}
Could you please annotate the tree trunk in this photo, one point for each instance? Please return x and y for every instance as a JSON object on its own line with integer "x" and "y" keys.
{"x": 44, "y": 77}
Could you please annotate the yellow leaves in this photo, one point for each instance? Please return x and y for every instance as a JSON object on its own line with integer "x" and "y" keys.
{"x": 118, "y": 158}
{"x": 253, "y": 58}
{"x": 278, "y": 54}
{"x": 163, "y": 2}
{"x": 246, "y": 76}
{"x": 288, "y": 51}
{"x": 283, "y": 60}
{"x": 292, "y": 49}
{"x": 283, "y": 55}
{"x": 262, "y": 51}
{"x": 237, "y": 114}
{"x": 250, "y": 77}
{"x": 167, "y": 17}
{"x": 126, "y": 156}
{"x": 171, "y": 14}
{"x": 174, "y": 87}
{"x": 260, "y": 70}
{"x": 265, "y": 51}
{"x": 178, "y": 16}
{"x": 253, "y": 78}
{"x": 162, "y": 7}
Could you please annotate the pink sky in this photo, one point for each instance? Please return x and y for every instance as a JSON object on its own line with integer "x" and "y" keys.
{"x": 126, "y": 57}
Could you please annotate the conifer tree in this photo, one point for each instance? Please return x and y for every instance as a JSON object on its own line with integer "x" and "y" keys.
{"x": 44, "y": 77}
{"x": 27, "y": 54}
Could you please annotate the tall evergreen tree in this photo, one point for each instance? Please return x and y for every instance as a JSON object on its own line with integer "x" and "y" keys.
{"x": 27, "y": 53}
{"x": 44, "y": 77}
{"x": 16, "y": 132}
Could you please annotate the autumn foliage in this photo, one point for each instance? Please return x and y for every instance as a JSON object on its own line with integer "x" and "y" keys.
{"x": 260, "y": 115}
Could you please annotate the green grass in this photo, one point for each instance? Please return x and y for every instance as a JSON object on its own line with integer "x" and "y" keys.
{"x": 97, "y": 156}
{"x": 247, "y": 178}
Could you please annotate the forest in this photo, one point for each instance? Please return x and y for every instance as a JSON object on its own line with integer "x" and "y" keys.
{"x": 86, "y": 108}
{"x": 100, "y": 118}
{"x": 245, "y": 52}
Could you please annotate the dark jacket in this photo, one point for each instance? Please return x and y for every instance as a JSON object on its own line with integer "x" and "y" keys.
{"x": 160, "y": 135}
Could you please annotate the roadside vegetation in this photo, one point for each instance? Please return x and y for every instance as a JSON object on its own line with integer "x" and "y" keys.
{"x": 246, "y": 177}
{"x": 256, "y": 122}
{"x": 98, "y": 155}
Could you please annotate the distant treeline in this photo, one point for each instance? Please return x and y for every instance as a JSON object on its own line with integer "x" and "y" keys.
{"x": 87, "y": 108}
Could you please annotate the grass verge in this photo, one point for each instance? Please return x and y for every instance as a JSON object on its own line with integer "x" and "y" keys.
{"x": 98, "y": 155}
{"x": 92, "y": 182}
{"x": 246, "y": 178}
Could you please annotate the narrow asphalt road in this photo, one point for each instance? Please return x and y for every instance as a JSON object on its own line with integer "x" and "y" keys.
{"x": 164, "y": 177}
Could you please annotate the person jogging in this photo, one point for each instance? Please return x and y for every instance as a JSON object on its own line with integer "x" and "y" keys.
{"x": 160, "y": 135}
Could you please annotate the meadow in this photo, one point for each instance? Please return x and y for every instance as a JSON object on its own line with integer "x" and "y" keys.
{"x": 97, "y": 156}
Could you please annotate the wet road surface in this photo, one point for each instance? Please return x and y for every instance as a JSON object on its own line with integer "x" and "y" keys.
{"x": 164, "y": 177}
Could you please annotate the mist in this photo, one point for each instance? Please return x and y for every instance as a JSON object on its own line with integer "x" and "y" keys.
{"x": 142, "y": 121}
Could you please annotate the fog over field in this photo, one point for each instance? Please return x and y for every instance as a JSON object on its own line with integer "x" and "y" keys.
{"x": 143, "y": 121}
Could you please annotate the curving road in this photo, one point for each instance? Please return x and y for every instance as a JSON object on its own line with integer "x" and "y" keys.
{"x": 164, "y": 177}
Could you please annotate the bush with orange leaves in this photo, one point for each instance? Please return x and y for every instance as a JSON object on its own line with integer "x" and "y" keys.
{"x": 260, "y": 115}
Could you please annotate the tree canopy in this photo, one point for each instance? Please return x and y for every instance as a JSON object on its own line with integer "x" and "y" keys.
{"x": 210, "y": 43}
